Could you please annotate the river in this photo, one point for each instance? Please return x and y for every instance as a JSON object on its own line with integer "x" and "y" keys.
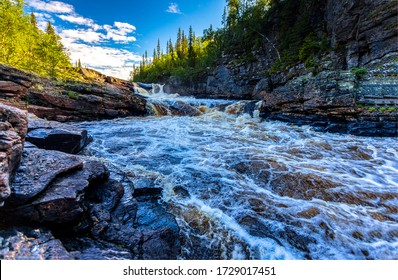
{"x": 242, "y": 188}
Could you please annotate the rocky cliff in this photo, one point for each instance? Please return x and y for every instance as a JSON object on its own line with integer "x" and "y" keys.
{"x": 102, "y": 98}
{"x": 352, "y": 87}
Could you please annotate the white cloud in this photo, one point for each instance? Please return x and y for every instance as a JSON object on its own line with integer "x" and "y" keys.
{"x": 56, "y": 7}
{"x": 88, "y": 36}
{"x": 173, "y": 8}
{"x": 110, "y": 61}
{"x": 119, "y": 32}
{"x": 125, "y": 27}
{"x": 77, "y": 19}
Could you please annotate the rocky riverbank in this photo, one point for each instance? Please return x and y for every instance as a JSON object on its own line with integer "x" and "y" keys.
{"x": 59, "y": 205}
{"x": 102, "y": 98}
{"x": 351, "y": 88}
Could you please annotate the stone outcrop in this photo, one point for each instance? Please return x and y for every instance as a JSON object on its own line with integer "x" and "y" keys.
{"x": 50, "y": 135}
{"x": 13, "y": 128}
{"x": 69, "y": 100}
{"x": 362, "y": 30}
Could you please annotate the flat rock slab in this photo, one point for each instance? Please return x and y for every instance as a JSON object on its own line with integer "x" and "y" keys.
{"x": 37, "y": 170}
{"x": 31, "y": 244}
{"x": 50, "y": 135}
{"x": 62, "y": 201}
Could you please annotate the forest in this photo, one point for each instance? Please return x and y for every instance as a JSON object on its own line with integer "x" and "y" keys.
{"x": 24, "y": 45}
{"x": 293, "y": 29}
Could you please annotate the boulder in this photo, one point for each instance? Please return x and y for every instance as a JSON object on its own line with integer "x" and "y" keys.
{"x": 62, "y": 202}
{"x": 142, "y": 226}
{"x": 13, "y": 128}
{"x": 50, "y": 135}
{"x": 37, "y": 170}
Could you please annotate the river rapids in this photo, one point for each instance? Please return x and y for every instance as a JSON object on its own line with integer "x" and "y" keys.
{"x": 242, "y": 188}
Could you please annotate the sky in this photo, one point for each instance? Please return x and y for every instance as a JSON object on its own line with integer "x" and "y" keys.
{"x": 112, "y": 36}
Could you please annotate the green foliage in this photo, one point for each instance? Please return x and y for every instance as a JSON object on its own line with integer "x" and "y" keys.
{"x": 359, "y": 72}
{"x": 24, "y": 45}
{"x": 291, "y": 30}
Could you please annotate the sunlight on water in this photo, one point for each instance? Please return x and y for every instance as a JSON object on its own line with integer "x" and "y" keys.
{"x": 245, "y": 189}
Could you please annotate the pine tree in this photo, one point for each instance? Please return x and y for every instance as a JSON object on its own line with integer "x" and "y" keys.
{"x": 33, "y": 19}
{"x": 191, "y": 50}
{"x": 179, "y": 43}
{"x": 158, "y": 51}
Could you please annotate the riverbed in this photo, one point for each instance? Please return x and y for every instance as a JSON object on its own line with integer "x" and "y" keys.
{"x": 243, "y": 188}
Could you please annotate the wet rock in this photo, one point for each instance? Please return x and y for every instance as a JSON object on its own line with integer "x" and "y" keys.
{"x": 62, "y": 201}
{"x": 31, "y": 244}
{"x": 142, "y": 226}
{"x": 37, "y": 170}
{"x": 13, "y": 128}
{"x": 89, "y": 249}
{"x": 50, "y": 135}
{"x": 146, "y": 187}
{"x": 181, "y": 192}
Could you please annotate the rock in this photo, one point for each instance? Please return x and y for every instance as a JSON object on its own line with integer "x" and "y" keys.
{"x": 37, "y": 170}
{"x": 13, "y": 128}
{"x": 89, "y": 249}
{"x": 146, "y": 187}
{"x": 365, "y": 28}
{"x": 262, "y": 87}
{"x": 62, "y": 202}
{"x": 104, "y": 98}
{"x": 52, "y": 135}
{"x": 31, "y": 244}
{"x": 11, "y": 89}
{"x": 144, "y": 226}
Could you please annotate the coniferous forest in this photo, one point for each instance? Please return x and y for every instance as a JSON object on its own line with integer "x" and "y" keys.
{"x": 246, "y": 28}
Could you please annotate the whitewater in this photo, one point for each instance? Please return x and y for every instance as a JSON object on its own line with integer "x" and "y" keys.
{"x": 244, "y": 188}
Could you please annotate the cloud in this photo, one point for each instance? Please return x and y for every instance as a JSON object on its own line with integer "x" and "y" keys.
{"x": 86, "y": 42}
{"x": 75, "y": 35}
{"x": 110, "y": 61}
{"x": 51, "y": 6}
{"x": 119, "y": 32}
{"x": 173, "y": 9}
{"x": 125, "y": 27}
{"x": 77, "y": 19}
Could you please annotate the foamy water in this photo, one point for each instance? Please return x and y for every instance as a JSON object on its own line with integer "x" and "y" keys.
{"x": 245, "y": 189}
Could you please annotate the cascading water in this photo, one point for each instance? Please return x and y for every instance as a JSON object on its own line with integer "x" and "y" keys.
{"x": 245, "y": 189}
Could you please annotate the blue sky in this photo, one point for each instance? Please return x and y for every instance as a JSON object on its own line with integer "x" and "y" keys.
{"x": 111, "y": 36}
